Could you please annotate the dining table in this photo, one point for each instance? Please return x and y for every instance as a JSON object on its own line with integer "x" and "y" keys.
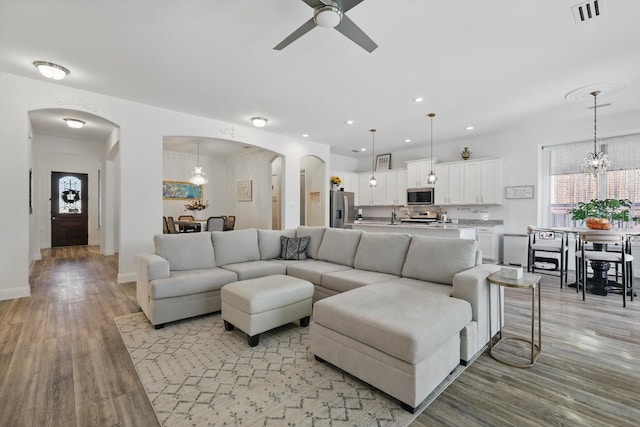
{"x": 200, "y": 224}
{"x": 599, "y": 282}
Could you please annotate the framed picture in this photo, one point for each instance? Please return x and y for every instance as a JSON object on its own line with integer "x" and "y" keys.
{"x": 519, "y": 192}
{"x": 243, "y": 191}
{"x": 383, "y": 162}
{"x": 181, "y": 190}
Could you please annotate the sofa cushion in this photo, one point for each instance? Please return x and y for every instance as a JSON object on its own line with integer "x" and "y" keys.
{"x": 434, "y": 288}
{"x": 316, "y": 234}
{"x": 411, "y": 329}
{"x": 382, "y": 252}
{"x": 236, "y": 246}
{"x": 186, "y": 251}
{"x": 191, "y": 282}
{"x": 436, "y": 259}
{"x": 339, "y": 246}
{"x": 269, "y": 242}
{"x": 312, "y": 271}
{"x": 294, "y": 248}
{"x": 345, "y": 280}
{"x": 253, "y": 269}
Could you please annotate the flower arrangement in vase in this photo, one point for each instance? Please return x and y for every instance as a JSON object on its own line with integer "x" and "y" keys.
{"x": 598, "y": 214}
{"x": 196, "y": 207}
{"x": 335, "y": 181}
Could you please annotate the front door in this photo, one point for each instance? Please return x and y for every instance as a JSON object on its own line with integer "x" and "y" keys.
{"x": 69, "y": 217}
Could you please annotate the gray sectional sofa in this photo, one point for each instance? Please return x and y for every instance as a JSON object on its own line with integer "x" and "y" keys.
{"x": 404, "y": 310}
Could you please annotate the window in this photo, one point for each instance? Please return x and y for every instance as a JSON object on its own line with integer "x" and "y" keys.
{"x": 564, "y": 184}
{"x": 69, "y": 189}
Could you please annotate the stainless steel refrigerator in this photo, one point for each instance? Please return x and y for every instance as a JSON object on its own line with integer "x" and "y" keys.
{"x": 341, "y": 209}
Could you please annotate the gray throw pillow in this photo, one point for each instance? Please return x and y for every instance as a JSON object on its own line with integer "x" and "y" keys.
{"x": 294, "y": 247}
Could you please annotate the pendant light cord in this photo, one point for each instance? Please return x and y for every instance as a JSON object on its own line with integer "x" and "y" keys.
{"x": 595, "y": 120}
{"x": 373, "y": 151}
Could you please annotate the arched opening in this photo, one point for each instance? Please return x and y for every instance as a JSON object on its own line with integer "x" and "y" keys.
{"x": 313, "y": 191}
{"x": 90, "y": 151}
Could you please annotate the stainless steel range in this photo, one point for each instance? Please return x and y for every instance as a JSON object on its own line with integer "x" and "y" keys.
{"x": 421, "y": 217}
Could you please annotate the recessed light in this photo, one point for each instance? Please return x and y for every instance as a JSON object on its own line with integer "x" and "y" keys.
{"x": 363, "y": 149}
{"x": 74, "y": 123}
{"x": 349, "y": 122}
{"x": 259, "y": 122}
{"x": 305, "y": 135}
{"x": 470, "y": 128}
{"x": 418, "y": 99}
{"x": 407, "y": 140}
{"x": 51, "y": 70}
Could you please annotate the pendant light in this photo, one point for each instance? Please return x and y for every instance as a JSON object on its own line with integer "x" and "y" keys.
{"x": 597, "y": 162}
{"x": 373, "y": 182}
{"x": 431, "y": 178}
{"x": 197, "y": 175}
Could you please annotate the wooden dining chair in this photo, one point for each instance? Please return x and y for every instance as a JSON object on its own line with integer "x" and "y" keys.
{"x": 215, "y": 223}
{"x": 187, "y": 228}
{"x": 172, "y": 225}
{"x": 229, "y": 222}
{"x": 165, "y": 226}
{"x": 600, "y": 242}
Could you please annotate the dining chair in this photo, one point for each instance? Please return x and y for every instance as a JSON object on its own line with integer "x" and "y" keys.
{"x": 229, "y": 222}
{"x": 215, "y": 223}
{"x": 165, "y": 226}
{"x": 551, "y": 243}
{"x": 601, "y": 241}
{"x": 172, "y": 225}
{"x": 187, "y": 228}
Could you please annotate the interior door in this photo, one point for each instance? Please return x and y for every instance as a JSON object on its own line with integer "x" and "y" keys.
{"x": 69, "y": 202}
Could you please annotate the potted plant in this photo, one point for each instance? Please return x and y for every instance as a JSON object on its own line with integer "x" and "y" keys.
{"x": 335, "y": 181}
{"x": 599, "y": 213}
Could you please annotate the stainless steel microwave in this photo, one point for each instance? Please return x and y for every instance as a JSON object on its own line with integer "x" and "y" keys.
{"x": 420, "y": 196}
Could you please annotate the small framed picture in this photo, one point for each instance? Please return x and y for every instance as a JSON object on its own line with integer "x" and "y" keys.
{"x": 383, "y": 162}
{"x": 243, "y": 191}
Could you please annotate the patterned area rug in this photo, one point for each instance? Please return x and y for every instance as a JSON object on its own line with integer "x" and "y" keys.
{"x": 197, "y": 374}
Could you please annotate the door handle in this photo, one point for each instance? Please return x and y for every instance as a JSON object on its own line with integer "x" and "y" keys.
{"x": 53, "y": 217}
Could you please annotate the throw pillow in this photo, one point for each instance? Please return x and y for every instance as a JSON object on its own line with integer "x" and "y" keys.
{"x": 294, "y": 248}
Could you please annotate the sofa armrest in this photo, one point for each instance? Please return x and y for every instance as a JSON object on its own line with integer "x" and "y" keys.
{"x": 150, "y": 267}
{"x": 472, "y": 285}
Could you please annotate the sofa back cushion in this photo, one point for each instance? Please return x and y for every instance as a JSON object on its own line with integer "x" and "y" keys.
{"x": 339, "y": 246}
{"x": 235, "y": 246}
{"x": 269, "y": 242}
{"x": 437, "y": 260}
{"x": 186, "y": 251}
{"x": 382, "y": 252}
{"x": 316, "y": 234}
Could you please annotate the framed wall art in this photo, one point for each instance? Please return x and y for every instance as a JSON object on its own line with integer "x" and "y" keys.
{"x": 383, "y": 162}
{"x": 243, "y": 191}
{"x": 181, "y": 190}
{"x": 519, "y": 192}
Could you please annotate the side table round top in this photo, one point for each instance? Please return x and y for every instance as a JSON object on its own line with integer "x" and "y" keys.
{"x": 528, "y": 280}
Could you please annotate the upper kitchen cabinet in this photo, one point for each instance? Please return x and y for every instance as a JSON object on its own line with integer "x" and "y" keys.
{"x": 473, "y": 182}
{"x": 417, "y": 171}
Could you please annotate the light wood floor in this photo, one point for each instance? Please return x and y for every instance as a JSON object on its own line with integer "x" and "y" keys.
{"x": 62, "y": 362}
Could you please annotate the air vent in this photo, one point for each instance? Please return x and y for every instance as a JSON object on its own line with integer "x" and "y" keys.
{"x": 586, "y": 11}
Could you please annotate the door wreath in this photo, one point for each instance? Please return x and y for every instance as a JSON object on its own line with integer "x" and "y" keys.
{"x": 71, "y": 196}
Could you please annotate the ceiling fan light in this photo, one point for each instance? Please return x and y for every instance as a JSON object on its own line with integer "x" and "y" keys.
{"x": 259, "y": 122}
{"x": 74, "y": 123}
{"x": 327, "y": 16}
{"x": 50, "y": 70}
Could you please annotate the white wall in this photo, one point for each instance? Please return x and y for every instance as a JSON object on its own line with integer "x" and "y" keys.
{"x": 138, "y": 163}
{"x": 317, "y": 181}
{"x": 51, "y": 154}
{"x": 178, "y": 167}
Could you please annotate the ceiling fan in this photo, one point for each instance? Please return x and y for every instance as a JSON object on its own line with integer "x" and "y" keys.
{"x": 331, "y": 14}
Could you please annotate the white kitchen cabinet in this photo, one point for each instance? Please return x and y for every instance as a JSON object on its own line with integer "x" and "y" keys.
{"x": 417, "y": 171}
{"x": 350, "y": 182}
{"x": 490, "y": 243}
{"x": 370, "y": 196}
{"x": 401, "y": 187}
{"x": 379, "y": 192}
{"x": 449, "y": 187}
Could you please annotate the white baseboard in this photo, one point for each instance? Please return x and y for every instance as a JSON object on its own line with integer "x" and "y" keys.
{"x": 128, "y": 277}
{"x": 13, "y": 293}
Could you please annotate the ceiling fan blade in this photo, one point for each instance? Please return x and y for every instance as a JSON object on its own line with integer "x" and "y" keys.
{"x": 349, "y": 4}
{"x": 315, "y": 3}
{"x": 301, "y": 31}
{"x": 348, "y": 28}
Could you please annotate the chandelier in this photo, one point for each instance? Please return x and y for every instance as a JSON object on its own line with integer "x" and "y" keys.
{"x": 373, "y": 182}
{"x": 197, "y": 175}
{"x": 597, "y": 162}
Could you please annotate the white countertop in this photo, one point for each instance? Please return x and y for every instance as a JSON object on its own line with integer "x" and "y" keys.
{"x": 439, "y": 225}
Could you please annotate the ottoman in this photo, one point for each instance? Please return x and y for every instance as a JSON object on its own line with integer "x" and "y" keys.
{"x": 402, "y": 339}
{"x": 258, "y": 305}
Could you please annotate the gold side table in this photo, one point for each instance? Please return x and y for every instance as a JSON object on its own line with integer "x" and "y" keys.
{"x": 527, "y": 281}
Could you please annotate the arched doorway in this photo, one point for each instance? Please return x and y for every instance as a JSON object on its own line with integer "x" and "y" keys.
{"x": 313, "y": 191}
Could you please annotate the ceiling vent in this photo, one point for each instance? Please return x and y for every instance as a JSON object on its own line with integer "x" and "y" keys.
{"x": 586, "y": 11}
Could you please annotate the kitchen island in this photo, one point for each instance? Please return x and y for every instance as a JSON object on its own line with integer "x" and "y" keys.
{"x": 434, "y": 229}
